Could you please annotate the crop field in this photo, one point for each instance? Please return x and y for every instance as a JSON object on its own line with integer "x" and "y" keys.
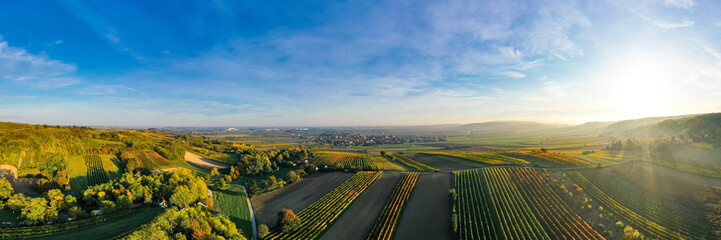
{"x": 444, "y": 163}
{"x": 359, "y": 218}
{"x": 96, "y": 171}
{"x": 504, "y": 202}
{"x": 427, "y": 213}
{"x": 413, "y": 164}
{"x": 151, "y": 159}
{"x": 354, "y": 161}
{"x": 560, "y": 159}
{"x": 483, "y": 157}
{"x": 656, "y": 201}
{"x": 559, "y": 218}
{"x": 388, "y": 219}
{"x": 232, "y": 203}
{"x": 652, "y": 228}
{"x": 321, "y": 214}
{"x": 296, "y": 196}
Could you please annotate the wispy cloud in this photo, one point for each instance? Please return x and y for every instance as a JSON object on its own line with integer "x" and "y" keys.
{"x": 668, "y": 25}
{"x": 680, "y": 3}
{"x": 19, "y": 66}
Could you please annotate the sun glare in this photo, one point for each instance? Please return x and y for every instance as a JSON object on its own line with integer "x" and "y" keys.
{"x": 639, "y": 86}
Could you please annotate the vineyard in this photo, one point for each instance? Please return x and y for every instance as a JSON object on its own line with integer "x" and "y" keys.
{"x": 483, "y": 157}
{"x": 557, "y": 158}
{"x": 354, "y": 161}
{"x": 650, "y": 227}
{"x": 655, "y": 205}
{"x": 150, "y": 159}
{"x": 386, "y": 223}
{"x": 559, "y": 218}
{"x": 514, "y": 203}
{"x": 321, "y": 214}
{"x": 96, "y": 172}
{"x": 413, "y": 164}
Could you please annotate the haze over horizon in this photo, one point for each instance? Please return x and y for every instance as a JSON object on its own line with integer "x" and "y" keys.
{"x": 356, "y": 63}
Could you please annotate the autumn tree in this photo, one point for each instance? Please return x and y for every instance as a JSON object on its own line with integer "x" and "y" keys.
{"x": 287, "y": 220}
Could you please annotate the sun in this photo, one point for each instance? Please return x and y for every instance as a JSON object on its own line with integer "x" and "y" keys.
{"x": 639, "y": 86}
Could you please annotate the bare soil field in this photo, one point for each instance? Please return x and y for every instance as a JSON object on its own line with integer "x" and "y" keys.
{"x": 440, "y": 163}
{"x": 357, "y": 221}
{"x": 204, "y": 162}
{"x": 295, "y": 197}
{"x": 426, "y": 215}
{"x": 20, "y": 185}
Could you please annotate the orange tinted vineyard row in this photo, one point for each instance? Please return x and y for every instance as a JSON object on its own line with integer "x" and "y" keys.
{"x": 321, "y": 214}
{"x": 385, "y": 225}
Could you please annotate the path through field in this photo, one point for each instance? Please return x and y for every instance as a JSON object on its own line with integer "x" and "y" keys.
{"x": 296, "y": 197}
{"x": 204, "y": 162}
{"x": 358, "y": 219}
{"x": 426, "y": 215}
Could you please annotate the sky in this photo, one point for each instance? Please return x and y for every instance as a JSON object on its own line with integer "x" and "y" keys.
{"x": 356, "y": 63}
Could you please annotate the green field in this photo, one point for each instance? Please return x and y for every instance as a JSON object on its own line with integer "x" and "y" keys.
{"x": 78, "y": 170}
{"x": 232, "y": 203}
{"x": 9, "y": 216}
{"x": 110, "y": 229}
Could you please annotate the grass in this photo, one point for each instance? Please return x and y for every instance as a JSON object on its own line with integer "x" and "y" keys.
{"x": 232, "y": 203}
{"x": 9, "y": 216}
{"x": 110, "y": 163}
{"x": 77, "y": 172}
{"x": 110, "y": 229}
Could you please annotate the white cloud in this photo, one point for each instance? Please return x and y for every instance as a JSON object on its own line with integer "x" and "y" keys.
{"x": 680, "y": 3}
{"x": 513, "y": 74}
{"x": 19, "y": 66}
{"x": 668, "y": 25}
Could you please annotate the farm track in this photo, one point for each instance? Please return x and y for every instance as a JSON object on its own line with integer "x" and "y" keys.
{"x": 357, "y": 221}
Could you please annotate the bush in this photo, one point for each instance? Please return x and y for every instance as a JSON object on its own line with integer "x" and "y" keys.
{"x": 262, "y": 231}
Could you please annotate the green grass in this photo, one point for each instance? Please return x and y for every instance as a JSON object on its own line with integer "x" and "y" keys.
{"x": 110, "y": 229}
{"x": 111, "y": 165}
{"x": 77, "y": 173}
{"x": 9, "y": 216}
{"x": 232, "y": 203}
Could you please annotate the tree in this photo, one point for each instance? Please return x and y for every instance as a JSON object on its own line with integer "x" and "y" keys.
{"x": 271, "y": 183}
{"x": 383, "y": 153}
{"x": 34, "y": 210}
{"x": 6, "y": 189}
{"x": 182, "y": 195}
{"x": 262, "y": 231}
{"x": 214, "y": 172}
{"x": 291, "y": 177}
{"x": 252, "y": 189}
{"x": 287, "y": 220}
{"x": 17, "y": 202}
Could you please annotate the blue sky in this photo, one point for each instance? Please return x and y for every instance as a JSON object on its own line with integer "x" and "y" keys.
{"x": 351, "y": 63}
